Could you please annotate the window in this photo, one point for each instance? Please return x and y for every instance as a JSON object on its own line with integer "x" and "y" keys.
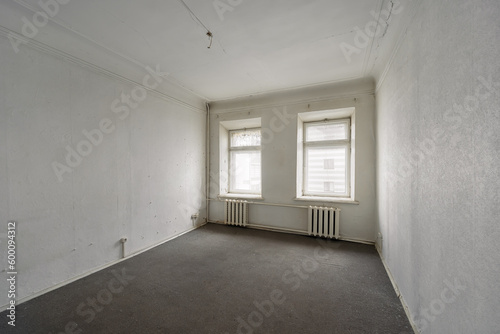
{"x": 244, "y": 161}
{"x": 325, "y": 155}
{"x": 240, "y": 158}
{"x": 326, "y": 158}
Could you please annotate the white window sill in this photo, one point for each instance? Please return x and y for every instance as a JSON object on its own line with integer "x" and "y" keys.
{"x": 243, "y": 196}
{"x": 327, "y": 199}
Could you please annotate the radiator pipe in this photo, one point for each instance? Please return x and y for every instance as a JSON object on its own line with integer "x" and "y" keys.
{"x": 207, "y": 162}
{"x": 274, "y": 204}
{"x": 123, "y": 241}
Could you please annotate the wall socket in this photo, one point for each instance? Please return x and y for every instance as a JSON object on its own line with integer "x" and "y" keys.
{"x": 195, "y": 216}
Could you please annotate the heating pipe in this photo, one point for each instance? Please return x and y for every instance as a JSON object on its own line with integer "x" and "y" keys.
{"x": 207, "y": 167}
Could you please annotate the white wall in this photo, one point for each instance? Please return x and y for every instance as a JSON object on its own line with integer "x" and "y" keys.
{"x": 279, "y": 155}
{"x": 439, "y": 203}
{"x": 143, "y": 181}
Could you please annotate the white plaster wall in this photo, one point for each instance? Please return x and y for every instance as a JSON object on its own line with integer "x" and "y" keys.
{"x": 143, "y": 182}
{"x": 439, "y": 204}
{"x": 279, "y": 156}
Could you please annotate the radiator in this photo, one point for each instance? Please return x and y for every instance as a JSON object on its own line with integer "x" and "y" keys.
{"x": 324, "y": 222}
{"x": 236, "y": 212}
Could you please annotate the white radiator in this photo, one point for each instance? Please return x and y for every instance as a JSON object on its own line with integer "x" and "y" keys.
{"x": 235, "y": 212}
{"x": 324, "y": 222}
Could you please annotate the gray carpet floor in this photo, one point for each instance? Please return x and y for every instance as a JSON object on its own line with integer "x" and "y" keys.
{"x": 221, "y": 279}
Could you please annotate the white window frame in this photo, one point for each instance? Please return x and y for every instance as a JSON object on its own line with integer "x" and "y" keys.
{"x": 333, "y": 115}
{"x": 242, "y": 149}
{"x": 224, "y": 155}
{"x": 345, "y": 143}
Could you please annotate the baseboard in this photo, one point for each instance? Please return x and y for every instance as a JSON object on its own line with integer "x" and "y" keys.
{"x": 398, "y": 293}
{"x": 292, "y": 231}
{"x": 358, "y": 241}
{"x": 276, "y": 229}
{"x": 76, "y": 278}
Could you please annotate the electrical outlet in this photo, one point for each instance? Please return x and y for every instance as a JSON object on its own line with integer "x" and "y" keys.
{"x": 194, "y": 216}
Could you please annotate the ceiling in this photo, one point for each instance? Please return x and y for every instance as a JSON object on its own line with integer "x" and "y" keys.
{"x": 258, "y": 46}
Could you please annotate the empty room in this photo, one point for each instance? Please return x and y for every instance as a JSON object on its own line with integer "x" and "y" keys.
{"x": 238, "y": 166}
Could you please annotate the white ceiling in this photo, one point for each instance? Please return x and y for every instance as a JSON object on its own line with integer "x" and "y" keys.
{"x": 258, "y": 46}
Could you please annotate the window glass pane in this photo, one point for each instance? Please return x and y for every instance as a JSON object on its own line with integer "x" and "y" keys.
{"x": 326, "y": 170}
{"x": 242, "y": 138}
{"x": 245, "y": 171}
{"x": 327, "y": 131}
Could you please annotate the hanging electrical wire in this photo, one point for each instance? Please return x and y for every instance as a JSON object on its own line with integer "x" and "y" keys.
{"x": 209, "y": 33}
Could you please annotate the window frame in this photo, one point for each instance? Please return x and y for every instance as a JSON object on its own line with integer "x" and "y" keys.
{"x": 321, "y": 115}
{"x": 242, "y": 149}
{"x": 344, "y": 143}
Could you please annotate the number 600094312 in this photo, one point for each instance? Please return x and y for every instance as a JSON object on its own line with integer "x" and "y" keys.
{"x": 11, "y": 236}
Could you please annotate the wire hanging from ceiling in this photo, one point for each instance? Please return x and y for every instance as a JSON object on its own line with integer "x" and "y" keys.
{"x": 209, "y": 33}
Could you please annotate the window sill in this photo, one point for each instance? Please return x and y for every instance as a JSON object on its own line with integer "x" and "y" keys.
{"x": 243, "y": 196}
{"x": 327, "y": 199}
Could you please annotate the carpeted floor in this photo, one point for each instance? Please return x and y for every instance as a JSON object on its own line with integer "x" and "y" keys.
{"x": 221, "y": 279}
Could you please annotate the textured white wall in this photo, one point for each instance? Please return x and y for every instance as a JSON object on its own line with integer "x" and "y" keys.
{"x": 143, "y": 181}
{"x": 438, "y": 153}
{"x": 279, "y": 155}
